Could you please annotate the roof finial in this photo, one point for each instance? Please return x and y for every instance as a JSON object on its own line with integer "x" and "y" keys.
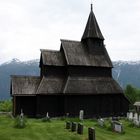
{"x": 91, "y": 5}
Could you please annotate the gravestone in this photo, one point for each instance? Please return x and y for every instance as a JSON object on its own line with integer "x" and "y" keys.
{"x": 68, "y": 125}
{"x": 135, "y": 116}
{"x": 131, "y": 116}
{"x": 139, "y": 117}
{"x": 80, "y": 128}
{"x": 91, "y": 133}
{"x": 128, "y": 115}
{"x": 21, "y": 119}
{"x": 117, "y": 126}
{"x": 73, "y": 126}
{"x": 101, "y": 122}
{"x": 81, "y": 115}
{"x": 21, "y": 114}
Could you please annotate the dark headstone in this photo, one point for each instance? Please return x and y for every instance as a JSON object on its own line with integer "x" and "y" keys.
{"x": 73, "y": 126}
{"x": 68, "y": 125}
{"x": 91, "y": 134}
{"x": 80, "y": 128}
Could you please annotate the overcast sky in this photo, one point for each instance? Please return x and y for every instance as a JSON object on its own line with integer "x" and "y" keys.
{"x": 26, "y": 26}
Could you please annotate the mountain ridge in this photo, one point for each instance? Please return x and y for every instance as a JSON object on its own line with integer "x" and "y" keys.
{"x": 125, "y": 72}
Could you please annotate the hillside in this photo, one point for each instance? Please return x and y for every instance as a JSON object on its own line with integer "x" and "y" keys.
{"x": 123, "y": 71}
{"x": 15, "y": 67}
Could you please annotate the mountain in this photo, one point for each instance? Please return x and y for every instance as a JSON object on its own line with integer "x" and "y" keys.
{"x": 15, "y": 67}
{"x": 125, "y": 72}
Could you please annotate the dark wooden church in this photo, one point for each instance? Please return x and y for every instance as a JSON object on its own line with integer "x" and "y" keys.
{"x": 78, "y": 77}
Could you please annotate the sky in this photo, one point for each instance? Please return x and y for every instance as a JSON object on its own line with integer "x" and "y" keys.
{"x": 26, "y": 26}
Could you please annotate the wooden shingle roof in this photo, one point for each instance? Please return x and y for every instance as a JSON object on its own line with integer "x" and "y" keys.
{"x": 55, "y": 58}
{"x": 92, "y": 29}
{"x": 24, "y": 85}
{"x": 92, "y": 85}
{"x": 77, "y": 54}
{"x": 51, "y": 85}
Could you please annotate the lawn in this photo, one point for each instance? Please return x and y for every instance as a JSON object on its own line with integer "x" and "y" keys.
{"x": 55, "y": 130}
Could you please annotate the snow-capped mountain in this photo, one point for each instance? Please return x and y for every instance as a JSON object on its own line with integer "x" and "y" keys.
{"x": 125, "y": 72}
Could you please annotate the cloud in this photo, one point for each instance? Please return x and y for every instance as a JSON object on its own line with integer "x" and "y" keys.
{"x": 28, "y": 26}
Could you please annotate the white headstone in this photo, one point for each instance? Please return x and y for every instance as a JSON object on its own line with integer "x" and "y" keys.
{"x": 139, "y": 117}
{"x": 136, "y": 116}
{"x": 81, "y": 114}
{"x": 118, "y": 128}
{"x": 131, "y": 116}
{"x": 128, "y": 115}
{"x": 101, "y": 122}
{"x": 21, "y": 114}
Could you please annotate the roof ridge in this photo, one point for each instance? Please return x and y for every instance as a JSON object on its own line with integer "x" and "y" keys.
{"x": 67, "y": 40}
{"x": 49, "y": 50}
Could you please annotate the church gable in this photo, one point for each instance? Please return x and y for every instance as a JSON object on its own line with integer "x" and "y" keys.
{"x": 77, "y": 54}
{"x": 52, "y": 58}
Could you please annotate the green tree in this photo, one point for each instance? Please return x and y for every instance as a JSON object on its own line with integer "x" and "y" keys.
{"x": 131, "y": 93}
{"x": 6, "y": 106}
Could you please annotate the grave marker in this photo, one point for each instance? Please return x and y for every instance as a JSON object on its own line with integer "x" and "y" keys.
{"x": 91, "y": 133}
{"x": 101, "y": 122}
{"x": 117, "y": 126}
{"x": 81, "y": 115}
{"x": 68, "y": 125}
{"x": 80, "y": 128}
{"x": 73, "y": 126}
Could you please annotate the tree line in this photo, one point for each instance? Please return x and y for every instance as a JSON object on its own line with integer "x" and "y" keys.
{"x": 132, "y": 93}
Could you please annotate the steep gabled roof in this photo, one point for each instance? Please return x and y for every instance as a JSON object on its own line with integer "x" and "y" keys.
{"x": 24, "y": 85}
{"x": 92, "y": 29}
{"x": 77, "y": 54}
{"x": 51, "y": 85}
{"x": 92, "y": 85}
{"x": 55, "y": 58}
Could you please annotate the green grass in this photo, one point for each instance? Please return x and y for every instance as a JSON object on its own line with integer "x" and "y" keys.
{"x": 55, "y": 130}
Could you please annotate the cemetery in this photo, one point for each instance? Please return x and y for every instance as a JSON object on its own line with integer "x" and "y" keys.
{"x": 71, "y": 128}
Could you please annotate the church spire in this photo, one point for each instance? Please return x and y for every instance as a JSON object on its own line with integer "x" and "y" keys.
{"x": 92, "y": 29}
{"x": 91, "y": 7}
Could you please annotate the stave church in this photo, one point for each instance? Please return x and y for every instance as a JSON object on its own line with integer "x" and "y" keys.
{"x": 77, "y": 77}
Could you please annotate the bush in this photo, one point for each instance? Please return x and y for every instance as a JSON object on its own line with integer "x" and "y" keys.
{"x": 6, "y": 106}
{"x": 20, "y": 122}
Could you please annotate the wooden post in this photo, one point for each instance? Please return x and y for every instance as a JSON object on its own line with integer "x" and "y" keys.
{"x": 91, "y": 134}
{"x": 80, "y": 128}
{"x": 73, "y": 126}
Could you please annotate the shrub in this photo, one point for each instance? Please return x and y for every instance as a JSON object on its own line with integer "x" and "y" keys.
{"x": 6, "y": 106}
{"x": 20, "y": 122}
